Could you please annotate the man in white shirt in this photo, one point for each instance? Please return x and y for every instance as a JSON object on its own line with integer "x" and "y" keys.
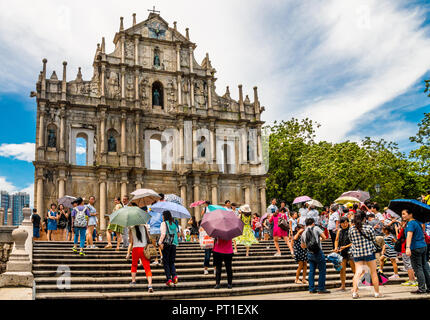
{"x": 375, "y": 210}
{"x": 272, "y": 208}
{"x": 333, "y": 222}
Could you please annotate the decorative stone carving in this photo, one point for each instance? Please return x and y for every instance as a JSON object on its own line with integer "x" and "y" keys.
{"x": 143, "y": 91}
{"x": 171, "y": 95}
{"x": 114, "y": 90}
{"x": 129, "y": 49}
{"x": 95, "y": 83}
{"x": 130, "y": 87}
{"x": 52, "y": 139}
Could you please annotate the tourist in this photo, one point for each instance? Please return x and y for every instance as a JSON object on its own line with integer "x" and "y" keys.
{"x": 401, "y": 237}
{"x": 300, "y": 255}
{"x": 362, "y": 237}
{"x": 247, "y": 238}
{"x": 342, "y": 246}
{"x": 416, "y": 248}
{"x": 194, "y": 230}
{"x": 69, "y": 234}
{"x": 52, "y": 221}
{"x": 314, "y": 214}
{"x": 256, "y": 226}
{"x": 114, "y": 228}
{"x": 278, "y": 232}
{"x": 205, "y": 208}
{"x": 223, "y": 252}
{"x": 293, "y": 224}
{"x": 227, "y": 204}
{"x": 80, "y": 215}
{"x": 126, "y": 203}
{"x": 375, "y": 210}
{"x": 62, "y": 222}
{"x": 92, "y": 222}
{"x": 323, "y": 221}
{"x": 303, "y": 211}
{"x": 168, "y": 242}
{"x": 388, "y": 251}
{"x": 311, "y": 240}
{"x": 377, "y": 225}
{"x": 208, "y": 250}
{"x": 154, "y": 231}
{"x": 333, "y": 223}
{"x": 35, "y": 219}
{"x": 139, "y": 239}
{"x": 266, "y": 227}
{"x": 272, "y": 208}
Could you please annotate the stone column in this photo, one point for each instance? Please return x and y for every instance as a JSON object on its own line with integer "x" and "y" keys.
{"x": 192, "y": 91}
{"x": 244, "y": 145}
{"x": 259, "y": 147}
{"x": 28, "y": 225}
{"x": 102, "y": 81}
{"x": 196, "y": 196}
{"x": 103, "y": 205}
{"x": 64, "y": 83}
{"x": 61, "y": 187}
{"x": 137, "y": 121}
{"x": 122, "y": 49}
{"x": 247, "y": 195}
{"x": 9, "y": 217}
{"x": 62, "y": 114}
{"x": 179, "y": 83}
{"x": 41, "y": 125}
{"x": 123, "y": 116}
{"x": 178, "y": 57}
{"x": 136, "y": 50}
{"x": 263, "y": 199}
{"x": 209, "y": 94}
{"x": 122, "y": 82}
{"x": 214, "y": 186}
{"x": 19, "y": 267}
{"x": 184, "y": 196}
{"x": 181, "y": 141}
{"x": 102, "y": 132}
{"x": 124, "y": 182}
{"x": 39, "y": 197}
{"x": 191, "y": 59}
{"x": 194, "y": 143}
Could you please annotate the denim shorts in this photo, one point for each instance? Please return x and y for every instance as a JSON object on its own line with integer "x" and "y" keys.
{"x": 365, "y": 258}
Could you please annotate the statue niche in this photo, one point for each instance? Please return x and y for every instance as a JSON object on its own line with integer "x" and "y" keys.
{"x": 52, "y": 138}
{"x": 157, "y": 57}
{"x": 111, "y": 144}
{"x": 157, "y": 94}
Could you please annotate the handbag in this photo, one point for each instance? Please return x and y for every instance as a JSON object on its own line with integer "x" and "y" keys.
{"x": 378, "y": 249}
{"x": 283, "y": 223}
{"x": 169, "y": 237}
{"x": 150, "y": 250}
{"x": 206, "y": 242}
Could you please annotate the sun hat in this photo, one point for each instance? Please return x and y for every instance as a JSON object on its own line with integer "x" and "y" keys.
{"x": 245, "y": 209}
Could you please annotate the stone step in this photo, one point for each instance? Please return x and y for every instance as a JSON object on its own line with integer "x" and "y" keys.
{"x": 177, "y": 293}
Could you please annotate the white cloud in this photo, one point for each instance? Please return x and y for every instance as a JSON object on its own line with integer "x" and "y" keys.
{"x": 24, "y": 151}
{"x": 332, "y": 61}
{"x": 81, "y": 150}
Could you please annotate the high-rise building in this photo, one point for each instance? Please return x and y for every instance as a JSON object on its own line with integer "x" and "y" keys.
{"x": 17, "y": 202}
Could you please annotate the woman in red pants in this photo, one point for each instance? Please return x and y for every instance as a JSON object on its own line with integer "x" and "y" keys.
{"x": 139, "y": 240}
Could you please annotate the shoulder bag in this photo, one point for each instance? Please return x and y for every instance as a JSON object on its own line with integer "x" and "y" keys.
{"x": 169, "y": 237}
{"x": 378, "y": 249}
{"x": 150, "y": 250}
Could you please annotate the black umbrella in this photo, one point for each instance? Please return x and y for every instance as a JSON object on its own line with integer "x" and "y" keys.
{"x": 419, "y": 210}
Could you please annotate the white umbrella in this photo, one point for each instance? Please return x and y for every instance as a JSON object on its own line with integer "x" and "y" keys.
{"x": 315, "y": 203}
{"x": 344, "y": 200}
{"x": 145, "y": 197}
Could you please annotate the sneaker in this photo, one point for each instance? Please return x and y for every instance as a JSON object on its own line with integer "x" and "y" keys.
{"x": 217, "y": 286}
{"x": 230, "y": 286}
{"x": 169, "y": 283}
{"x": 414, "y": 284}
{"x": 277, "y": 254}
{"x": 82, "y": 253}
{"x": 312, "y": 291}
{"x": 206, "y": 272}
{"x": 175, "y": 279}
{"x": 150, "y": 290}
{"x": 393, "y": 277}
{"x": 75, "y": 250}
{"x": 355, "y": 295}
{"x": 378, "y": 295}
{"x": 418, "y": 292}
{"x": 407, "y": 283}
{"x": 155, "y": 263}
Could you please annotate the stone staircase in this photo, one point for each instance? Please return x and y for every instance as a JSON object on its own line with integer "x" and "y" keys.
{"x": 105, "y": 274}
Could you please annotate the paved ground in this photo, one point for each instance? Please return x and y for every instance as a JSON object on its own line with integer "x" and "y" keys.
{"x": 391, "y": 292}
{"x": 16, "y": 294}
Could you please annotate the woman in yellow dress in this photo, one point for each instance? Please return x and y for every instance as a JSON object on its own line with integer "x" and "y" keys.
{"x": 114, "y": 227}
{"x": 247, "y": 238}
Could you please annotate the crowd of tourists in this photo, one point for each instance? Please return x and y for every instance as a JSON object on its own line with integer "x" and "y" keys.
{"x": 361, "y": 236}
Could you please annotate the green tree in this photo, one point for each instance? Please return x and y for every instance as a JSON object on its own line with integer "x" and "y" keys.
{"x": 421, "y": 156}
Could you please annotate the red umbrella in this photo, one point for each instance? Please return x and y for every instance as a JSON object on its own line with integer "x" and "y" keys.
{"x": 197, "y": 203}
{"x": 222, "y": 224}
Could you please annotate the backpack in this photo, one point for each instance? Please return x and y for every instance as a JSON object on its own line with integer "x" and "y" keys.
{"x": 80, "y": 218}
{"x": 311, "y": 242}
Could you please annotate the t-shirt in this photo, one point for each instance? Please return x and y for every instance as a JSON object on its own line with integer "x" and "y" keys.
{"x": 272, "y": 208}
{"x": 93, "y": 219}
{"x": 379, "y": 216}
{"x": 136, "y": 242}
{"x": 378, "y": 230}
{"x": 314, "y": 215}
{"x": 155, "y": 222}
{"x": 223, "y": 246}
{"x": 317, "y": 234}
{"x": 332, "y": 221}
{"x": 36, "y": 220}
{"x": 85, "y": 208}
{"x": 418, "y": 240}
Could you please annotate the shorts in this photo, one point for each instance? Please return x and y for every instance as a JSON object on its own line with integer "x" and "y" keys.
{"x": 365, "y": 258}
{"x": 36, "y": 232}
{"x": 406, "y": 261}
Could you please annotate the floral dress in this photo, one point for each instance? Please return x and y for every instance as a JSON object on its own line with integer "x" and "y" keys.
{"x": 247, "y": 238}
{"x": 114, "y": 227}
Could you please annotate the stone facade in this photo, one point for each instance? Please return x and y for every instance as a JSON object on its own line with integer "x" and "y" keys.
{"x": 149, "y": 88}
{"x": 5, "y": 250}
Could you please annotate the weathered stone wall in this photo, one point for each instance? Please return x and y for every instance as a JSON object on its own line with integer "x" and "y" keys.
{"x": 5, "y": 251}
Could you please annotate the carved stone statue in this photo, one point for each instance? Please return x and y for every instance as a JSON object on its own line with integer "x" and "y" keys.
{"x": 113, "y": 86}
{"x": 156, "y": 59}
{"x": 111, "y": 144}
{"x": 156, "y": 98}
{"x": 52, "y": 139}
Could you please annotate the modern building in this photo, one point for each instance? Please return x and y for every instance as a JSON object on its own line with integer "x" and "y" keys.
{"x": 17, "y": 202}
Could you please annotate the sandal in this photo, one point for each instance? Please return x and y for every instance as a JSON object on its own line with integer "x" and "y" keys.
{"x": 355, "y": 295}
{"x": 305, "y": 282}
{"x": 150, "y": 290}
{"x": 108, "y": 246}
{"x": 298, "y": 282}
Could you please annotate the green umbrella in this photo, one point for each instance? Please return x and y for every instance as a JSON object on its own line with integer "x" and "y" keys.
{"x": 129, "y": 216}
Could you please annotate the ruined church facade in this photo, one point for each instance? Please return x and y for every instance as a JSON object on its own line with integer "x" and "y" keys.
{"x": 150, "y": 89}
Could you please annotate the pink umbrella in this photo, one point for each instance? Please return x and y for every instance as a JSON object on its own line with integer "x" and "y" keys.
{"x": 360, "y": 195}
{"x": 197, "y": 203}
{"x": 264, "y": 216}
{"x": 301, "y": 199}
{"x": 222, "y": 224}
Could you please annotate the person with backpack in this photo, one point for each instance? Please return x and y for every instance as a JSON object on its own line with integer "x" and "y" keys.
{"x": 311, "y": 240}
{"x": 168, "y": 242}
{"x": 362, "y": 237}
{"x": 138, "y": 240}
{"x": 416, "y": 248}
{"x": 80, "y": 216}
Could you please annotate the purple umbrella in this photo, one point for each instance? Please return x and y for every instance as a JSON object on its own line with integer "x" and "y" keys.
{"x": 360, "y": 195}
{"x": 222, "y": 224}
{"x": 301, "y": 199}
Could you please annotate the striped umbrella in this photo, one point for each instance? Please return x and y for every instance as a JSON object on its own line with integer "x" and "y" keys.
{"x": 174, "y": 198}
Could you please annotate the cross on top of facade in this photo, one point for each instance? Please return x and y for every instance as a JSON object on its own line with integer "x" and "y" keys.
{"x": 153, "y": 10}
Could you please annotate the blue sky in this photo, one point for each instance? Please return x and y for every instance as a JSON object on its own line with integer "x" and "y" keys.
{"x": 356, "y": 67}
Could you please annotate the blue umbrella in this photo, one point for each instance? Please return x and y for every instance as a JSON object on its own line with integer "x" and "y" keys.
{"x": 175, "y": 209}
{"x": 419, "y": 210}
{"x": 213, "y": 207}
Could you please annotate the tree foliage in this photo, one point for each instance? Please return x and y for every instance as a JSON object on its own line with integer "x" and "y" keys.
{"x": 421, "y": 156}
